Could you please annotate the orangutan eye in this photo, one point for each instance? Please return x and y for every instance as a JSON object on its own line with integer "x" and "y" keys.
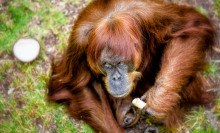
{"x": 108, "y": 65}
{"x": 121, "y": 63}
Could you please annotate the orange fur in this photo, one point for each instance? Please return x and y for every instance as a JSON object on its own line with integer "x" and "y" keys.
{"x": 166, "y": 43}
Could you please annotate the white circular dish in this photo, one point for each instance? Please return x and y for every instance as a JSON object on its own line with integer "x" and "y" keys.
{"x": 26, "y": 49}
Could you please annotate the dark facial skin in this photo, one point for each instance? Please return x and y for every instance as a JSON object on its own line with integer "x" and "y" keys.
{"x": 116, "y": 71}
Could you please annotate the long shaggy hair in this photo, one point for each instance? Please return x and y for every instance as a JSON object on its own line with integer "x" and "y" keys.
{"x": 166, "y": 43}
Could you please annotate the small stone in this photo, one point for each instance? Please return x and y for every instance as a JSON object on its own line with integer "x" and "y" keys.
{"x": 10, "y": 91}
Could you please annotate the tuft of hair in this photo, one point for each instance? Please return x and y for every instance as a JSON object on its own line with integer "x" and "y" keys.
{"x": 118, "y": 33}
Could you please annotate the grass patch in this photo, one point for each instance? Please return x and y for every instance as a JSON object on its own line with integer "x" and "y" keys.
{"x": 26, "y": 107}
{"x": 4, "y": 68}
{"x": 87, "y": 129}
{"x": 1, "y": 77}
{"x": 201, "y": 10}
{"x": 63, "y": 125}
{"x": 22, "y": 119}
{"x": 216, "y": 7}
{"x": 196, "y": 122}
{"x": 58, "y": 18}
{"x": 6, "y": 65}
{"x": 212, "y": 69}
{"x": 218, "y": 107}
{"x": 2, "y": 105}
{"x": 14, "y": 23}
{"x": 32, "y": 106}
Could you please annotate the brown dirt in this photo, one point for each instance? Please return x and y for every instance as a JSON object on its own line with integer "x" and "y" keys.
{"x": 50, "y": 41}
{"x": 139, "y": 127}
{"x": 72, "y": 10}
{"x": 4, "y": 85}
{"x": 3, "y": 5}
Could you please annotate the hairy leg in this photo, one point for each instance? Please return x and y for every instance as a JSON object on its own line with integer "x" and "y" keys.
{"x": 91, "y": 105}
{"x": 194, "y": 93}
